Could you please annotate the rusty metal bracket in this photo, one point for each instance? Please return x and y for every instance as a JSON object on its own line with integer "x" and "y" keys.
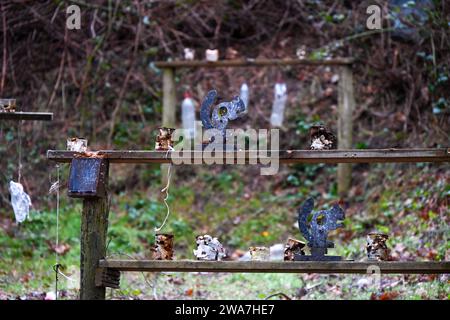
{"x": 315, "y": 228}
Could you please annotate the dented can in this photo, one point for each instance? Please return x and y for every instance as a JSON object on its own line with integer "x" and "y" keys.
{"x": 259, "y": 253}
{"x": 209, "y": 248}
{"x": 163, "y": 247}
{"x": 376, "y": 247}
{"x": 164, "y": 139}
{"x": 77, "y": 144}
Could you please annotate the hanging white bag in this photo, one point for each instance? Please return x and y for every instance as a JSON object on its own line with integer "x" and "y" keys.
{"x": 20, "y": 201}
{"x": 279, "y": 104}
{"x": 188, "y": 115}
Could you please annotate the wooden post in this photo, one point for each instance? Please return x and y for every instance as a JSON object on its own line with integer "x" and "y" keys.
{"x": 94, "y": 227}
{"x": 169, "y": 98}
{"x": 168, "y": 109}
{"x": 346, "y": 101}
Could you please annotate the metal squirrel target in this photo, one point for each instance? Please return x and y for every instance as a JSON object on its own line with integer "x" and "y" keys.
{"x": 218, "y": 116}
{"x": 315, "y": 228}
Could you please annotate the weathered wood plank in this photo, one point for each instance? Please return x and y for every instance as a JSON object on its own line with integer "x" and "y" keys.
{"x": 168, "y": 110}
{"x": 252, "y": 63}
{"x": 276, "y": 267}
{"x": 37, "y": 116}
{"x": 346, "y": 102}
{"x": 94, "y": 228}
{"x": 285, "y": 156}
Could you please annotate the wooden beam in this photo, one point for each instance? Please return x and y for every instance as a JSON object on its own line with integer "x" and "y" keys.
{"x": 37, "y": 116}
{"x": 168, "y": 109}
{"x": 276, "y": 267}
{"x": 94, "y": 228}
{"x": 346, "y": 102}
{"x": 169, "y": 98}
{"x": 285, "y": 156}
{"x": 252, "y": 63}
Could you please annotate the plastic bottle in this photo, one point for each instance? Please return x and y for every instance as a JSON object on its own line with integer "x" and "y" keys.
{"x": 188, "y": 115}
{"x": 279, "y": 104}
{"x": 244, "y": 95}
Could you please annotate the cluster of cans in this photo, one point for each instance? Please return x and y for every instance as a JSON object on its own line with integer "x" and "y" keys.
{"x": 210, "y": 249}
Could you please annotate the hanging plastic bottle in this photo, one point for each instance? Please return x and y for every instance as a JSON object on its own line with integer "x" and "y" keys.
{"x": 244, "y": 95}
{"x": 188, "y": 115}
{"x": 279, "y": 104}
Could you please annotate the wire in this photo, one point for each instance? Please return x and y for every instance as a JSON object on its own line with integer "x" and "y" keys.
{"x": 19, "y": 134}
{"x": 166, "y": 190}
{"x": 55, "y": 187}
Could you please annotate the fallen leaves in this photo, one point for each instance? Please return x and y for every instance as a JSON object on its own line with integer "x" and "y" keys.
{"x": 430, "y": 254}
{"x": 389, "y": 295}
{"x": 60, "y": 249}
{"x": 189, "y": 292}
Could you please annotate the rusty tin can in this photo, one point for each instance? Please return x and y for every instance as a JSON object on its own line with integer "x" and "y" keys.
{"x": 164, "y": 140}
{"x": 7, "y": 105}
{"x": 163, "y": 247}
{"x": 292, "y": 248}
{"x": 376, "y": 246}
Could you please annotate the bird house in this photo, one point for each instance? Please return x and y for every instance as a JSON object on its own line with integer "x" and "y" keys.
{"x": 88, "y": 177}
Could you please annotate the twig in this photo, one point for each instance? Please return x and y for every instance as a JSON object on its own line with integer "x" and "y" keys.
{"x": 127, "y": 78}
{"x": 278, "y": 294}
{"x": 60, "y": 71}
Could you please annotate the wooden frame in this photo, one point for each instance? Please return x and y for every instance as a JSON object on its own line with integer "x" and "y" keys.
{"x": 285, "y": 156}
{"x": 97, "y": 273}
{"x": 253, "y": 63}
{"x": 96, "y": 211}
{"x": 37, "y": 116}
{"x": 346, "y": 99}
{"x": 424, "y": 267}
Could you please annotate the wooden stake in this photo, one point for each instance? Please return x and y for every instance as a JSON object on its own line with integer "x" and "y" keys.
{"x": 94, "y": 228}
{"x": 169, "y": 109}
{"x": 346, "y": 101}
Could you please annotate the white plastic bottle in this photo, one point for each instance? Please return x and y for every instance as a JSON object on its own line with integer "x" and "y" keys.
{"x": 279, "y": 104}
{"x": 244, "y": 94}
{"x": 188, "y": 115}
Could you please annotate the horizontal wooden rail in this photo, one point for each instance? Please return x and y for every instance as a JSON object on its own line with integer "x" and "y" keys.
{"x": 276, "y": 267}
{"x": 252, "y": 63}
{"x": 38, "y": 116}
{"x": 284, "y": 156}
